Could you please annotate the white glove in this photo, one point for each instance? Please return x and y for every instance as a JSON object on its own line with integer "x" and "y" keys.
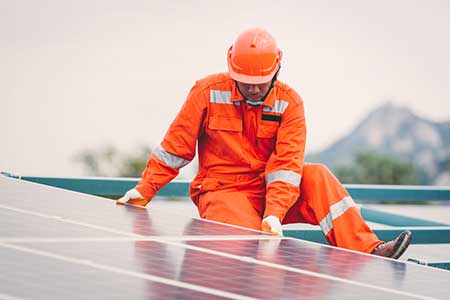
{"x": 272, "y": 225}
{"x": 131, "y": 194}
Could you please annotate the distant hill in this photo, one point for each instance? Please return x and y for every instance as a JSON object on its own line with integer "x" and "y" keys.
{"x": 394, "y": 130}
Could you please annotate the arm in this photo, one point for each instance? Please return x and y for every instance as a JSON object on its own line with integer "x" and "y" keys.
{"x": 176, "y": 150}
{"x": 284, "y": 167}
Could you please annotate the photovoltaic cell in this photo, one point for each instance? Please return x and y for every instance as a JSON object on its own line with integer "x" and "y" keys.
{"x": 209, "y": 270}
{"x": 348, "y": 265}
{"x": 65, "y": 205}
{"x": 32, "y": 276}
{"x": 57, "y": 244}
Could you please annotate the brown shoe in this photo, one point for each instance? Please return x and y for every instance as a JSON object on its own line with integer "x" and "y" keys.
{"x": 394, "y": 249}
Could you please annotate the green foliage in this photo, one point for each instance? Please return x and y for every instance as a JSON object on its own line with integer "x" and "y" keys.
{"x": 444, "y": 165}
{"x": 374, "y": 168}
{"x": 108, "y": 161}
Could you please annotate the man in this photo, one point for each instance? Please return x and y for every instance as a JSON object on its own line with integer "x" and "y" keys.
{"x": 250, "y": 132}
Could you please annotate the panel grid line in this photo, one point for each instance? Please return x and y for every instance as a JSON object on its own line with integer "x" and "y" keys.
{"x": 237, "y": 257}
{"x": 154, "y": 278}
{"x": 23, "y": 243}
{"x": 186, "y": 238}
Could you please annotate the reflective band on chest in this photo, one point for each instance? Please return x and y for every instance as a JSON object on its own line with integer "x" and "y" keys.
{"x": 221, "y": 97}
{"x": 279, "y": 107}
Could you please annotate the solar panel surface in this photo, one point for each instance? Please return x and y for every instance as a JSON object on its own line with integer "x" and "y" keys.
{"x": 58, "y": 244}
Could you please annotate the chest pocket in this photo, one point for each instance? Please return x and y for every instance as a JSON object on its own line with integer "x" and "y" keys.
{"x": 266, "y": 137}
{"x": 267, "y": 130}
{"x": 225, "y": 123}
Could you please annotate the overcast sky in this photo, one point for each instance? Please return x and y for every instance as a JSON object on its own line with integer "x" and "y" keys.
{"x": 82, "y": 74}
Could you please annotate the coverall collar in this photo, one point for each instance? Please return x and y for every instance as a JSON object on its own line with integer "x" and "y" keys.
{"x": 269, "y": 101}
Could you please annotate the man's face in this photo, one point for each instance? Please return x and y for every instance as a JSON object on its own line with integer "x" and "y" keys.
{"x": 253, "y": 92}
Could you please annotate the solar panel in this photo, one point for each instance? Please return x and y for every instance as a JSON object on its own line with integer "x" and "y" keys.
{"x": 58, "y": 244}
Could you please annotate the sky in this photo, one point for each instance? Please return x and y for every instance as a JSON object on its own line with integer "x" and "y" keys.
{"x": 78, "y": 75}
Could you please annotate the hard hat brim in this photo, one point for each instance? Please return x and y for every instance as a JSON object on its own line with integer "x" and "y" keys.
{"x": 250, "y": 79}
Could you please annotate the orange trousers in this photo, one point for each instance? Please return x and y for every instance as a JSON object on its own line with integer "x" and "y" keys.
{"x": 239, "y": 200}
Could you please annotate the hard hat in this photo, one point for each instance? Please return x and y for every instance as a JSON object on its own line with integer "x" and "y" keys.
{"x": 254, "y": 58}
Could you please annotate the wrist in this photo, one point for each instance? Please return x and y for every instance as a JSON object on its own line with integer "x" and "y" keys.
{"x": 145, "y": 190}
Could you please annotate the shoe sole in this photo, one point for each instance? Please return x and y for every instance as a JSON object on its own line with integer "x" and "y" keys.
{"x": 402, "y": 243}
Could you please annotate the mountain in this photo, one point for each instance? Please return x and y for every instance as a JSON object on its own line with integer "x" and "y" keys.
{"x": 397, "y": 131}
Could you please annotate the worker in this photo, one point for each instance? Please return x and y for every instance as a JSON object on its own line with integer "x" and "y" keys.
{"x": 249, "y": 129}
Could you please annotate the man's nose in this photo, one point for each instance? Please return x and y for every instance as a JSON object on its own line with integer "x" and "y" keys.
{"x": 253, "y": 89}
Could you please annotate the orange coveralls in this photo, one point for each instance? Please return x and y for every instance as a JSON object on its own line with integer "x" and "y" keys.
{"x": 251, "y": 164}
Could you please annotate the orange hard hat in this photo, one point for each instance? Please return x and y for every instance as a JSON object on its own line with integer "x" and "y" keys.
{"x": 254, "y": 57}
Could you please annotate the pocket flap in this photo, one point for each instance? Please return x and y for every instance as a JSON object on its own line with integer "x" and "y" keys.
{"x": 225, "y": 123}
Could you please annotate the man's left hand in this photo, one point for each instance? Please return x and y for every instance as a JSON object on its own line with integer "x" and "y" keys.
{"x": 272, "y": 225}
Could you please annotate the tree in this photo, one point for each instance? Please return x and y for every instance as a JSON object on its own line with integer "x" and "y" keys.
{"x": 374, "y": 168}
{"x": 108, "y": 161}
{"x": 444, "y": 165}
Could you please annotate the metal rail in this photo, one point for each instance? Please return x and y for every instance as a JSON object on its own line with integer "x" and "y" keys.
{"x": 115, "y": 187}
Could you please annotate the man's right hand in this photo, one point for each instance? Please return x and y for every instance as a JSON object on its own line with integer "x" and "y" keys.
{"x": 132, "y": 194}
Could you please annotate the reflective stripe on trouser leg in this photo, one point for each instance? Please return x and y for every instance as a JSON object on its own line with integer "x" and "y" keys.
{"x": 322, "y": 202}
{"x": 336, "y": 210}
{"x": 344, "y": 227}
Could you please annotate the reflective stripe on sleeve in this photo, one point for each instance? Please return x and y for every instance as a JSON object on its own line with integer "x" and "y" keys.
{"x": 336, "y": 210}
{"x": 170, "y": 159}
{"x": 278, "y": 107}
{"x": 285, "y": 176}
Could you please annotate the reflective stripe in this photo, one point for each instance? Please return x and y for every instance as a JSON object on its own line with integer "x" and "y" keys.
{"x": 278, "y": 107}
{"x": 221, "y": 97}
{"x": 170, "y": 159}
{"x": 285, "y": 176}
{"x": 336, "y": 210}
